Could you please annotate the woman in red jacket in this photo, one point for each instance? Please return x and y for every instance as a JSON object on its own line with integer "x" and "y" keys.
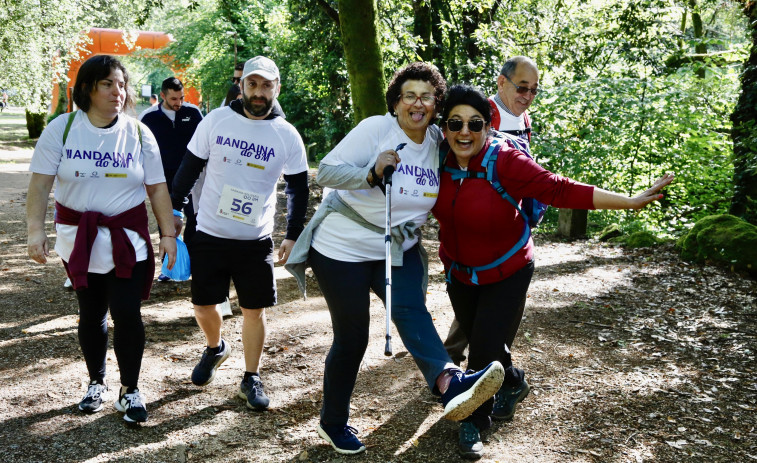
{"x": 486, "y": 246}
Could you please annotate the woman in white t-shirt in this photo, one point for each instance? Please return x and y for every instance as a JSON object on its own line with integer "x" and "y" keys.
{"x": 344, "y": 244}
{"x": 105, "y": 162}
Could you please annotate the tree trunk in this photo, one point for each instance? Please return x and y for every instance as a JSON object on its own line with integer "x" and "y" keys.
{"x": 701, "y": 47}
{"x": 470, "y": 19}
{"x": 35, "y": 123}
{"x": 365, "y": 64}
{"x": 422, "y": 28}
{"x": 744, "y": 132}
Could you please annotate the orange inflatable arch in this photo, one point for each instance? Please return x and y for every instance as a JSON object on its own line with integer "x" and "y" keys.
{"x": 117, "y": 42}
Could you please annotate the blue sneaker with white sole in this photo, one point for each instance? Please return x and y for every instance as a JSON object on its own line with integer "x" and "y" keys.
{"x": 205, "y": 370}
{"x": 467, "y": 391}
{"x": 343, "y": 438}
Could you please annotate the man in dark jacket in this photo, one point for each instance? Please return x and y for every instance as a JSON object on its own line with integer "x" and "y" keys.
{"x": 173, "y": 123}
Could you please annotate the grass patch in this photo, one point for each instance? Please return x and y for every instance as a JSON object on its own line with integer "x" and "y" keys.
{"x": 13, "y": 133}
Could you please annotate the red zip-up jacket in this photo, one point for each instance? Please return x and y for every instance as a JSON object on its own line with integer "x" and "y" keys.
{"x": 478, "y": 226}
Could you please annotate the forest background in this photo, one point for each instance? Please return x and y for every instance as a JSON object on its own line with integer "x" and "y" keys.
{"x": 632, "y": 89}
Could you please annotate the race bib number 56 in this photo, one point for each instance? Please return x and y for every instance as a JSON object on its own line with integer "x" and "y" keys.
{"x": 240, "y": 205}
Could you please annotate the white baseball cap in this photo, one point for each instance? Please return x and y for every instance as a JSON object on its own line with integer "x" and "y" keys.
{"x": 261, "y": 66}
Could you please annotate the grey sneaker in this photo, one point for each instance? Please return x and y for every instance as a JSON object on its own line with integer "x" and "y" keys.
{"x": 93, "y": 400}
{"x": 132, "y": 406}
{"x": 205, "y": 371}
{"x": 225, "y": 308}
{"x": 251, "y": 390}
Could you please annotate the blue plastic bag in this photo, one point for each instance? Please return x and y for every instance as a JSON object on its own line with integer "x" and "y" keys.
{"x": 181, "y": 269}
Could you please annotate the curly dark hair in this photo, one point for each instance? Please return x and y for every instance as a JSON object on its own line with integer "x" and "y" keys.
{"x": 466, "y": 95}
{"x": 415, "y": 71}
{"x": 94, "y": 70}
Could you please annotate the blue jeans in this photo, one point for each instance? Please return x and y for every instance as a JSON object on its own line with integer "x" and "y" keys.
{"x": 346, "y": 287}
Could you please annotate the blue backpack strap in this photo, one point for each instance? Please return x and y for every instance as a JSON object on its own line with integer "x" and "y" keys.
{"x": 473, "y": 271}
{"x": 490, "y": 161}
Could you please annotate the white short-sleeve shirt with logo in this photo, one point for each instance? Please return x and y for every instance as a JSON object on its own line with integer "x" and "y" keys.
{"x": 415, "y": 187}
{"x": 245, "y": 157}
{"x": 103, "y": 170}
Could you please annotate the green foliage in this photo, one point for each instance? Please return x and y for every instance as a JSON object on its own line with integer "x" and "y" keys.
{"x": 35, "y": 32}
{"x": 725, "y": 239}
{"x": 621, "y": 134}
{"x": 35, "y": 123}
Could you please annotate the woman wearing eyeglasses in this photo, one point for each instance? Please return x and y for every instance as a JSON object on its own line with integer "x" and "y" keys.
{"x": 485, "y": 243}
{"x": 344, "y": 244}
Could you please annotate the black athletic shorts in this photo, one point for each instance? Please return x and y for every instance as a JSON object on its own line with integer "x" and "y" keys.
{"x": 217, "y": 261}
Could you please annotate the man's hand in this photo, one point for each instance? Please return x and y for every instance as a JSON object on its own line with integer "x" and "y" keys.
{"x": 178, "y": 224}
{"x": 284, "y": 250}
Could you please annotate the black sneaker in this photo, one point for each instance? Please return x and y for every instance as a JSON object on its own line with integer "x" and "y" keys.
{"x": 251, "y": 390}
{"x": 93, "y": 400}
{"x": 130, "y": 404}
{"x": 507, "y": 399}
{"x": 467, "y": 391}
{"x": 205, "y": 371}
{"x": 342, "y": 438}
{"x": 470, "y": 445}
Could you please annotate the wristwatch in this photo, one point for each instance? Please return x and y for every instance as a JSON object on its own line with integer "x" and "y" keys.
{"x": 373, "y": 178}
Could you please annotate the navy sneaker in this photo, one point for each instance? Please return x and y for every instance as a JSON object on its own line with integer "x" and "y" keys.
{"x": 93, "y": 400}
{"x": 470, "y": 445}
{"x": 342, "y": 438}
{"x": 130, "y": 403}
{"x": 205, "y": 371}
{"x": 163, "y": 277}
{"x": 467, "y": 391}
{"x": 507, "y": 399}
{"x": 251, "y": 390}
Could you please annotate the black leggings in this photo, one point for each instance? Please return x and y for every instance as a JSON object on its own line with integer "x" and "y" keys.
{"x": 123, "y": 296}
{"x": 490, "y": 315}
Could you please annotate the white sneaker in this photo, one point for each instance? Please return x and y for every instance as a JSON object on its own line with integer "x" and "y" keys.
{"x": 224, "y": 308}
{"x": 131, "y": 404}
{"x": 67, "y": 284}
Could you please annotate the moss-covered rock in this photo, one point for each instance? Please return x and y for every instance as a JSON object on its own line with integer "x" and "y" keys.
{"x": 640, "y": 239}
{"x": 725, "y": 239}
{"x": 610, "y": 231}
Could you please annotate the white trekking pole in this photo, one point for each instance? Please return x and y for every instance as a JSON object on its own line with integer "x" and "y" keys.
{"x": 388, "y": 171}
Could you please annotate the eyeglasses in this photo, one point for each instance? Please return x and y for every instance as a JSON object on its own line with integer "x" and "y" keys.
{"x": 524, "y": 90}
{"x": 236, "y": 80}
{"x": 411, "y": 98}
{"x": 456, "y": 125}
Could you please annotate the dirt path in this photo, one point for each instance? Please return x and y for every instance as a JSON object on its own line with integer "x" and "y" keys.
{"x": 632, "y": 356}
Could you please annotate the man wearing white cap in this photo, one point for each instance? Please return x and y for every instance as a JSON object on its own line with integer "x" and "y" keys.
{"x": 246, "y": 148}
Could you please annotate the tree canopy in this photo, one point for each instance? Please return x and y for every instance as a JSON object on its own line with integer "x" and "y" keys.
{"x": 633, "y": 88}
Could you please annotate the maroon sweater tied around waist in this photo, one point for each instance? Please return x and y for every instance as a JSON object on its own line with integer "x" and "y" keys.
{"x": 124, "y": 255}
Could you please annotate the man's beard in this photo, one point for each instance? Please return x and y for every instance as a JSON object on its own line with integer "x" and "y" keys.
{"x": 257, "y": 110}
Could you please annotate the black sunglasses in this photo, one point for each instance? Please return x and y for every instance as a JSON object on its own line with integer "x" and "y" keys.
{"x": 523, "y": 90}
{"x": 236, "y": 80}
{"x": 456, "y": 125}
